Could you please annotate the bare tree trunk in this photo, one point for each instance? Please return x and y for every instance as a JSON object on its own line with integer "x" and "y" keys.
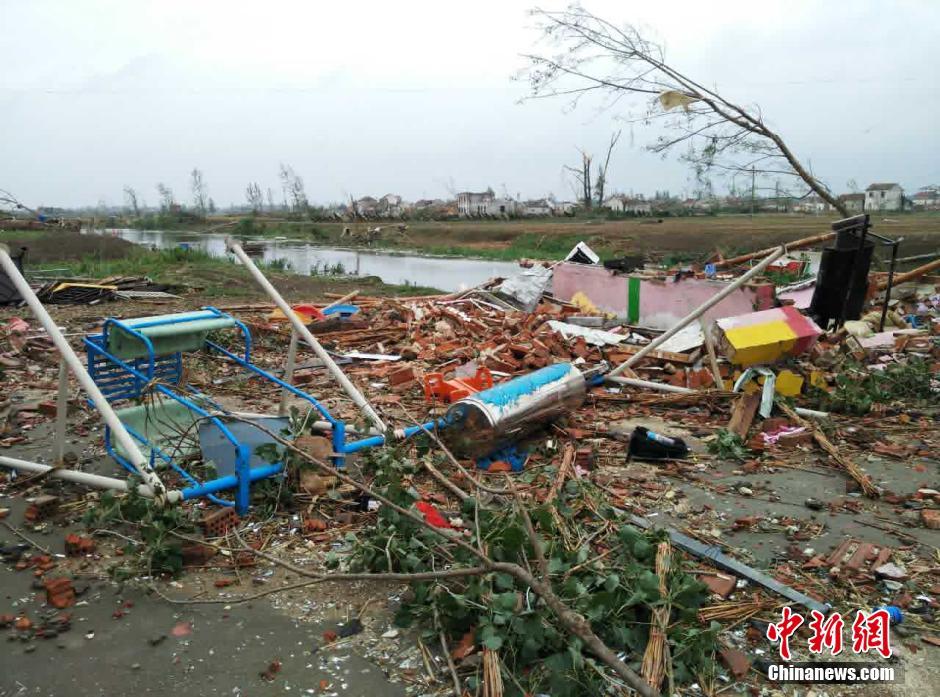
{"x": 601, "y": 182}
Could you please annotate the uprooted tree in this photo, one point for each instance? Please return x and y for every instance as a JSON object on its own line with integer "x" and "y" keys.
{"x": 590, "y": 55}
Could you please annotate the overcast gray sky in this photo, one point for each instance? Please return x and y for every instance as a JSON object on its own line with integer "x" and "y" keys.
{"x": 377, "y": 97}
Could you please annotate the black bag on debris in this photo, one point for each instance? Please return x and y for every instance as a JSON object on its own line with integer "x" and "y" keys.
{"x": 9, "y": 295}
{"x": 649, "y": 445}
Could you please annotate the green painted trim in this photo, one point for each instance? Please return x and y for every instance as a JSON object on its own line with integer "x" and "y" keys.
{"x": 633, "y": 300}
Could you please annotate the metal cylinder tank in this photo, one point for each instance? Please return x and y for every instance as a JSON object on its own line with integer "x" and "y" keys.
{"x": 487, "y": 421}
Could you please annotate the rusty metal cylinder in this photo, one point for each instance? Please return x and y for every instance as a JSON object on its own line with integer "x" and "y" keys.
{"x": 489, "y": 420}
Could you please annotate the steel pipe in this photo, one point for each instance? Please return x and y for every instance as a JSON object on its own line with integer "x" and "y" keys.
{"x": 128, "y": 444}
{"x": 305, "y": 334}
{"x": 675, "y": 389}
{"x": 96, "y": 481}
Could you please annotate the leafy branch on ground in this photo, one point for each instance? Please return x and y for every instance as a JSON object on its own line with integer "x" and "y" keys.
{"x": 728, "y": 446}
{"x": 158, "y": 552}
{"x": 857, "y": 389}
{"x": 611, "y": 584}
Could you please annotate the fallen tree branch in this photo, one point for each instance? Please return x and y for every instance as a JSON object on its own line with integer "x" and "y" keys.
{"x": 573, "y": 622}
{"x": 33, "y": 543}
{"x": 313, "y": 578}
{"x": 534, "y": 539}
{"x": 444, "y": 481}
{"x": 445, "y": 647}
{"x": 463, "y": 470}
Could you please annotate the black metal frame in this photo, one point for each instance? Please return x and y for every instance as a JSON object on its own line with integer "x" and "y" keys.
{"x": 854, "y": 225}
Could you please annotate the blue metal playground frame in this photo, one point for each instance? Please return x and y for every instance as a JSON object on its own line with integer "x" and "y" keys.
{"x": 128, "y": 380}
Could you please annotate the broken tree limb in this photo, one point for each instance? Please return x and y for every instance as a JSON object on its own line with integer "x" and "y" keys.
{"x": 853, "y": 470}
{"x": 573, "y": 622}
{"x": 444, "y": 481}
{"x": 698, "y": 312}
{"x": 796, "y": 244}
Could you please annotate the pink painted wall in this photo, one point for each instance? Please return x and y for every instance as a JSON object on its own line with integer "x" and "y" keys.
{"x": 662, "y": 302}
{"x": 605, "y": 289}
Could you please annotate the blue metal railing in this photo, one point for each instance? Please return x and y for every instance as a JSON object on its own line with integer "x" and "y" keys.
{"x": 127, "y": 379}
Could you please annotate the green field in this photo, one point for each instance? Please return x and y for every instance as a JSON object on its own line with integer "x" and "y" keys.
{"x": 667, "y": 238}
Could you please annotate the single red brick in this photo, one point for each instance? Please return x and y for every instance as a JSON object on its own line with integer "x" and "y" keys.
{"x": 401, "y": 375}
{"x": 738, "y": 663}
{"x": 720, "y": 584}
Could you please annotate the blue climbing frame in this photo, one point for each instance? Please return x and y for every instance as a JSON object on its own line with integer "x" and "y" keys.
{"x": 155, "y": 372}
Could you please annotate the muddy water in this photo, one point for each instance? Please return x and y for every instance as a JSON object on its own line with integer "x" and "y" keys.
{"x": 445, "y": 273}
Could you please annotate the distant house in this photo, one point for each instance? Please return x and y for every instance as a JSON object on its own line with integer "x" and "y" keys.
{"x": 367, "y": 207}
{"x": 564, "y": 207}
{"x": 390, "y": 206}
{"x": 537, "y": 208}
{"x": 471, "y": 204}
{"x": 854, "y": 203}
{"x": 484, "y": 205}
{"x": 927, "y": 199}
{"x": 884, "y": 197}
{"x": 811, "y": 204}
{"x": 628, "y": 204}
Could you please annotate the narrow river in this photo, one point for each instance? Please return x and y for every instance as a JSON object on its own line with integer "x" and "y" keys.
{"x": 445, "y": 273}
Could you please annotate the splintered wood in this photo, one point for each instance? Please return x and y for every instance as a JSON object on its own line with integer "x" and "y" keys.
{"x": 492, "y": 676}
{"x": 654, "y": 659}
{"x": 854, "y": 471}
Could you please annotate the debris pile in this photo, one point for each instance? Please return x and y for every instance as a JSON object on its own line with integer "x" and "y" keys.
{"x": 646, "y": 538}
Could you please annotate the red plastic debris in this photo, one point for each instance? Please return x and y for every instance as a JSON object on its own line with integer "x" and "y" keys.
{"x": 436, "y": 387}
{"x": 432, "y": 515}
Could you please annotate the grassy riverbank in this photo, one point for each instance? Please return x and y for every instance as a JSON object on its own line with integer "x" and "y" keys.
{"x": 69, "y": 254}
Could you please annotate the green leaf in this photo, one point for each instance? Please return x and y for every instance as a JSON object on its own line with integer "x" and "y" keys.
{"x": 494, "y": 642}
{"x": 504, "y": 582}
{"x": 642, "y": 549}
{"x": 505, "y": 602}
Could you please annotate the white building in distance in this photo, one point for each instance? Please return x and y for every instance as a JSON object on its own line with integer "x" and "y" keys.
{"x": 884, "y": 197}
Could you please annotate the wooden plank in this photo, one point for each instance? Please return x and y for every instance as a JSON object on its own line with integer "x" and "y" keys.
{"x": 742, "y": 416}
{"x": 629, "y": 350}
